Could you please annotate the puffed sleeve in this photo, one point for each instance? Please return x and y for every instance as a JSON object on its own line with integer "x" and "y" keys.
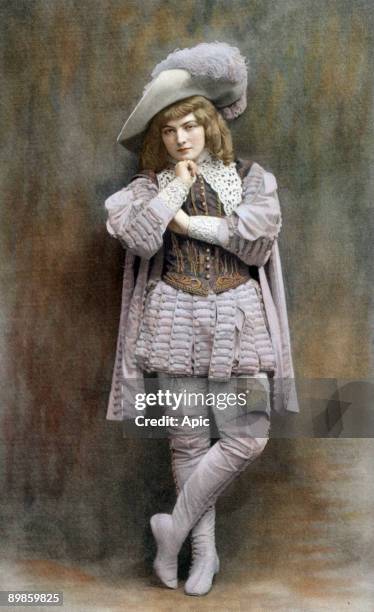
{"x": 251, "y": 230}
{"x": 139, "y": 214}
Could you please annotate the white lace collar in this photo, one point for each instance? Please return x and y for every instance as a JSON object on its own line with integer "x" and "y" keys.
{"x": 223, "y": 179}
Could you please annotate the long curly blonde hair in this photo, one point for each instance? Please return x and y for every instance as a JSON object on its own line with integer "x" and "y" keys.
{"x": 217, "y": 135}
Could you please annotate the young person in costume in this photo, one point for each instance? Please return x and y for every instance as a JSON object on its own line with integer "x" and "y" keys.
{"x": 203, "y": 298}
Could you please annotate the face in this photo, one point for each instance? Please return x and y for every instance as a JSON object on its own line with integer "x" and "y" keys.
{"x": 184, "y": 138}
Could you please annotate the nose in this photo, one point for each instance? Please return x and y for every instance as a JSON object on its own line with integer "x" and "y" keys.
{"x": 181, "y": 137}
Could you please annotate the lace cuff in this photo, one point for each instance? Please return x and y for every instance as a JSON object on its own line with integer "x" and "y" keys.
{"x": 205, "y": 228}
{"x": 174, "y": 194}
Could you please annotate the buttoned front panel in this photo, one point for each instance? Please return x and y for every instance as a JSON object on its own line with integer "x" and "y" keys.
{"x": 192, "y": 265}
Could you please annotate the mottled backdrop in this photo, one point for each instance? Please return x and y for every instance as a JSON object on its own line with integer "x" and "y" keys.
{"x": 74, "y": 494}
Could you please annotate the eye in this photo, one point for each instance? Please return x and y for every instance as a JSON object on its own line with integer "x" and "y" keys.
{"x": 167, "y": 131}
{"x": 190, "y": 126}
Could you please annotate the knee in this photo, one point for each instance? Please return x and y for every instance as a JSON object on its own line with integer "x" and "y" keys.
{"x": 190, "y": 446}
{"x": 245, "y": 448}
{"x": 260, "y": 445}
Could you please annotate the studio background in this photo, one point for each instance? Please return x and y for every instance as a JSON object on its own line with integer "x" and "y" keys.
{"x": 296, "y": 528}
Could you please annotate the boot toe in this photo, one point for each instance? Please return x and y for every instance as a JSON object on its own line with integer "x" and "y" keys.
{"x": 166, "y": 562}
{"x": 201, "y": 576}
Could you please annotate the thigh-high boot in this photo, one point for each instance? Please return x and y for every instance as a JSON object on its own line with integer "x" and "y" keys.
{"x": 186, "y": 453}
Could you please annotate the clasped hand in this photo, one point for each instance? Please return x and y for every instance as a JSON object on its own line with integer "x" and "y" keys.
{"x": 186, "y": 170}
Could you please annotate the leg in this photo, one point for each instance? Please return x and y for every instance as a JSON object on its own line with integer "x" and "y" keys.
{"x": 236, "y": 425}
{"x": 216, "y": 470}
{"x": 187, "y": 447}
{"x": 186, "y": 452}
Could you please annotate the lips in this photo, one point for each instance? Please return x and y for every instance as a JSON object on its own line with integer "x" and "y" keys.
{"x": 184, "y": 150}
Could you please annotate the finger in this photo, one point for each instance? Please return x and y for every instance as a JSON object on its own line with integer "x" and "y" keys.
{"x": 192, "y": 168}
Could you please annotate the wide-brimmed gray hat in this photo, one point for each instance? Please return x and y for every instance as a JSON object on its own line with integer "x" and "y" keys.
{"x": 216, "y": 71}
